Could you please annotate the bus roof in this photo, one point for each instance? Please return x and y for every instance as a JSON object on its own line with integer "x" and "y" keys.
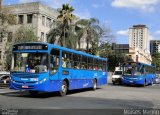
{"x": 65, "y": 49}
{"x": 141, "y": 63}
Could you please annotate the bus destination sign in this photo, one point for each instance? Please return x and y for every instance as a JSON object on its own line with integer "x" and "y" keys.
{"x": 30, "y": 47}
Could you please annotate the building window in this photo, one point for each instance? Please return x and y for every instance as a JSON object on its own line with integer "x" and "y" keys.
{"x": 43, "y": 20}
{"x": 29, "y": 18}
{"x": 10, "y": 37}
{"x": 20, "y": 19}
{"x": 42, "y": 36}
{"x": 48, "y": 23}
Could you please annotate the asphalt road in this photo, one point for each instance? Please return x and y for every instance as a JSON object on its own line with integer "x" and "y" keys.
{"x": 106, "y": 97}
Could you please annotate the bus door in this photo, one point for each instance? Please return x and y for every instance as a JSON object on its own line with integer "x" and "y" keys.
{"x": 54, "y": 64}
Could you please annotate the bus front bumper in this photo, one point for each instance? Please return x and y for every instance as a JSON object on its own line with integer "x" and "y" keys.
{"x": 132, "y": 82}
{"x": 47, "y": 86}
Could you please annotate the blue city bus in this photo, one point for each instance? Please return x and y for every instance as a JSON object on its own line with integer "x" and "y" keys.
{"x": 136, "y": 73}
{"x": 42, "y": 67}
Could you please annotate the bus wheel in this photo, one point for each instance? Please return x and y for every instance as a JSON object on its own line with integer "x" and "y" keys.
{"x": 64, "y": 89}
{"x": 145, "y": 83}
{"x": 94, "y": 84}
{"x": 33, "y": 93}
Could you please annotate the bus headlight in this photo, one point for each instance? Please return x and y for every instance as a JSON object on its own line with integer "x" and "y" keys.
{"x": 43, "y": 80}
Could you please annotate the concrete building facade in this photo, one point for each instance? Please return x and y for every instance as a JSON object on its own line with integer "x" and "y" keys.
{"x": 120, "y": 48}
{"x": 36, "y": 16}
{"x": 155, "y": 46}
{"x": 136, "y": 54}
{"x": 138, "y": 37}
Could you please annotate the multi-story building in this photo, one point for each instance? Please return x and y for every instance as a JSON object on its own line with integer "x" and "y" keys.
{"x": 120, "y": 48}
{"x": 138, "y": 37}
{"x": 36, "y": 16}
{"x": 136, "y": 54}
{"x": 155, "y": 46}
{"x": 139, "y": 43}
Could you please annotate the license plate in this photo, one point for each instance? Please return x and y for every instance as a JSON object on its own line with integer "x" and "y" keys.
{"x": 24, "y": 86}
{"x": 131, "y": 81}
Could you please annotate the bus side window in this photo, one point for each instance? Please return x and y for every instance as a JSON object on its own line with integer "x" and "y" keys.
{"x": 66, "y": 60}
{"x": 100, "y": 63}
{"x": 90, "y": 63}
{"x": 95, "y": 67}
{"x": 84, "y": 62}
{"x": 76, "y": 61}
{"x": 54, "y": 61}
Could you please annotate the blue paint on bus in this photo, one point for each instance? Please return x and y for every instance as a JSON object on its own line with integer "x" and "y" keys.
{"x": 45, "y": 72}
{"x": 138, "y": 73}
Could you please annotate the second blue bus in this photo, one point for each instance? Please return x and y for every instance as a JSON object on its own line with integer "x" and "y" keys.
{"x": 136, "y": 73}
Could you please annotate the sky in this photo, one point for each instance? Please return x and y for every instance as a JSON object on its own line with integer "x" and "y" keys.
{"x": 117, "y": 15}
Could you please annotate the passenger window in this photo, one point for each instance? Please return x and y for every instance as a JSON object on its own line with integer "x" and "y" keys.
{"x": 90, "y": 63}
{"x": 66, "y": 60}
{"x": 84, "y": 62}
{"x": 54, "y": 61}
{"x": 76, "y": 61}
{"x": 95, "y": 67}
{"x": 100, "y": 64}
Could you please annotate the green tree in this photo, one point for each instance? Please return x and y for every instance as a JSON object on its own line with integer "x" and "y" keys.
{"x": 116, "y": 59}
{"x": 91, "y": 30}
{"x": 6, "y": 19}
{"x": 156, "y": 60}
{"x": 22, "y": 35}
{"x": 65, "y": 17}
{"x": 105, "y": 49}
{"x": 62, "y": 34}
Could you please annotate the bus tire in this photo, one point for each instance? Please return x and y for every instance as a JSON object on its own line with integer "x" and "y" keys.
{"x": 64, "y": 89}
{"x": 94, "y": 84}
{"x": 33, "y": 93}
{"x": 145, "y": 83}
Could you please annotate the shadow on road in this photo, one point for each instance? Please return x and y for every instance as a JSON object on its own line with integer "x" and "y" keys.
{"x": 44, "y": 94}
{"x": 125, "y": 85}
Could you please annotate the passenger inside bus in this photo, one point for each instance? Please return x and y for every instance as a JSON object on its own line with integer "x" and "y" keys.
{"x": 63, "y": 62}
{"x": 68, "y": 63}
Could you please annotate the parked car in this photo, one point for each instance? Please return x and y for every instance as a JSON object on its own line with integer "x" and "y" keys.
{"x": 117, "y": 75}
{"x": 157, "y": 79}
{"x": 4, "y": 77}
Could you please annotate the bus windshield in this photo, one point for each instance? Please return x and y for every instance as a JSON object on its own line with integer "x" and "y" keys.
{"x": 131, "y": 70}
{"x": 30, "y": 62}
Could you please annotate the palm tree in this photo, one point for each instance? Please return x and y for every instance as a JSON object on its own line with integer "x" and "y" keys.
{"x": 65, "y": 17}
{"x": 91, "y": 30}
{"x": 54, "y": 34}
